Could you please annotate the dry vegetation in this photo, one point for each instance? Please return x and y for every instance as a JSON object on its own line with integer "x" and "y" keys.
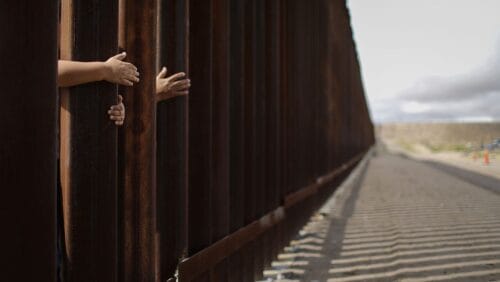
{"x": 439, "y": 136}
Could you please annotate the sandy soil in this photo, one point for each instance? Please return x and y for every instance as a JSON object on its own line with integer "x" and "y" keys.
{"x": 460, "y": 160}
{"x": 400, "y": 219}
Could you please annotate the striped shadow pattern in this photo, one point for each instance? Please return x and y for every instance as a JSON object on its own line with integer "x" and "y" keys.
{"x": 398, "y": 220}
{"x": 410, "y": 222}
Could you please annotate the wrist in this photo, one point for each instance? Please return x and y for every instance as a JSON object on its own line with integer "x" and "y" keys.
{"x": 104, "y": 71}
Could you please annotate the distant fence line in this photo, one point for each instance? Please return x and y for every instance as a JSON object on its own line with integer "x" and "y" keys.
{"x": 209, "y": 186}
{"x": 441, "y": 134}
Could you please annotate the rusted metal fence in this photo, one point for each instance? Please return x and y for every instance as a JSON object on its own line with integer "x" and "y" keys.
{"x": 203, "y": 188}
{"x": 28, "y": 65}
{"x": 89, "y": 145}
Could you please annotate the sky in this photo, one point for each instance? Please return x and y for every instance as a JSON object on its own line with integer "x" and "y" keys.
{"x": 429, "y": 60}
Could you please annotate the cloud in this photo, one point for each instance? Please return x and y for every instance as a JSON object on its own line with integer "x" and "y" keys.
{"x": 477, "y": 83}
{"x": 473, "y": 96}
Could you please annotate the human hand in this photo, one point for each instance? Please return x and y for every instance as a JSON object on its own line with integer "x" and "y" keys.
{"x": 120, "y": 72}
{"x": 172, "y": 86}
{"x": 117, "y": 112}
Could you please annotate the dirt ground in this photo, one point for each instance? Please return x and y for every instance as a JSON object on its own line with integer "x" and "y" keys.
{"x": 400, "y": 219}
{"x": 473, "y": 162}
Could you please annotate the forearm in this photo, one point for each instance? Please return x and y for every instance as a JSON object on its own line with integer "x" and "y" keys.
{"x": 71, "y": 73}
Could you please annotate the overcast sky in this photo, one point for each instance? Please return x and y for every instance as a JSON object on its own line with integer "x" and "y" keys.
{"x": 429, "y": 60}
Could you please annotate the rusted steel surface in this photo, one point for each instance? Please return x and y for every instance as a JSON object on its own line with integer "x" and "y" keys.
{"x": 272, "y": 100}
{"x": 261, "y": 123}
{"x": 249, "y": 110}
{"x": 236, "y": 131}
{"x": 250, "y": 252}
{"x": 138, "y": 38}
{"x": 295, "y": 107}
{"x": 220, "y": 130}
{"x": 212, "y": 185}
{"x": 310, "y": 190}
{"x": 200, "y": 126}
{"x": 171, "y": 140}
{"x": 28, "y": 59}
{"x": 196, "y": 265}
{"x": 220, "y": 120}
{"x": 283, "y": 98}
{"x": 236, "y": 117}
{"x": 300, "y": 195}
{"x": 89, "y": 152}
{"x": 271, "y": 142}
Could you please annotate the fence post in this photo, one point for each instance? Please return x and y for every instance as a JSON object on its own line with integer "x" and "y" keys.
{"x": 28, "y": 55}
{"x": 172, "y": 140}
{"x": 200, "y": 125}
{"x": 138, "y": 37}
{"x": 220, "y": 132}
{"x": 236, "y": 130}
{"x": 89, "y": 145}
